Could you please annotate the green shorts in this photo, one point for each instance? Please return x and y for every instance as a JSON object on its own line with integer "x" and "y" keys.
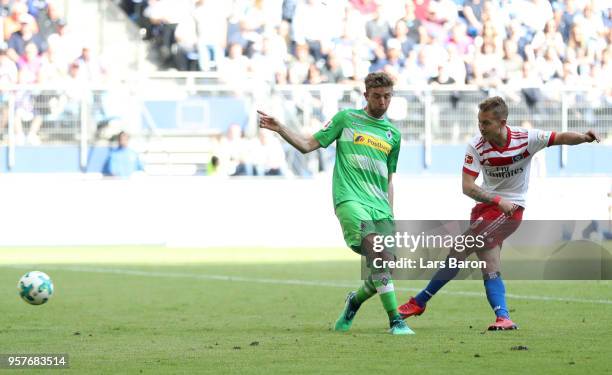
{"x": 358, "y": 221}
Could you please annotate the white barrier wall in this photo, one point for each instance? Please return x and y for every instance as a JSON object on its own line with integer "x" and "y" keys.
{"x": 200, "y": 211}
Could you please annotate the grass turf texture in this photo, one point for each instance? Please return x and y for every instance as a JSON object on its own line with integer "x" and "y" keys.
{"x": 159, "y": 310}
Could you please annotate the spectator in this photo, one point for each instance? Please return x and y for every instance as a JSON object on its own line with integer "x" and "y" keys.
{"x": 307, "y": 26}
{"x": 421, "y": 9}
{"x": 25, "y": 35}
{"x": 212, "y": 168}
{"x": 164, "y": 16}
{"x": 8, "y": 69}
{"x": 186, "y": 38}
{"x": 441, "y": 14}
{"x": 442, "y": 78}
{"x": 591, "y": 22}
{"x": 460, "y": 40}
{"x": 235, "y": 67}
{"x": 400, "y": 33}
{"x": 378, "y": 29}
{"x": 332, "y": 71}
{"x": 211, "y": 31}
{"x": 343, "y": 48}
{"x": 29, "y": 65}
{"x": 267, "y": 60}
{"x": 533, "y": 14}
{"x": 481, "y": 31}
{"x": 69, "y": 105}
{"x": 235, "y": 152}
{"x": 19, "y": 15}
{"x": 549, "y": 38}
{"x": 91, "y": 68}
{"x": 36, "y": 7}
{"x": 549, "y": 65}
{"x": 314, "y": 76}
{"x": 8, "y": 76}
{"x": 64, "y": 43}
{"x": 415, "y": 72}
{"x": 569, "y": 11}
{"x": 456, "y": 66}
{"x": 472, "y": 12}
{"x": 271, "y": 156}
{"x": 5, "y": 10}
{"x": 365, "y": 7}
{"x": 512, "y": 62}
{"x": 299, "y": 65}
{"x": 414, "y": 24}
{"x": 49, "y": 18}
{"x": 485, "y": 67}
{"x": 29, "y": 106}
{"x": 288, "y": 10}
{"x": 393, "y": 61}
{"x": 122, "y": 161}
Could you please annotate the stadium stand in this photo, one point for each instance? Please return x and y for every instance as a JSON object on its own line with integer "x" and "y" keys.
{"x": 551, "y": 59}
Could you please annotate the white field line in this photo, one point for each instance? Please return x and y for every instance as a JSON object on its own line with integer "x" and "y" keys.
{"x": 329, "y": 284}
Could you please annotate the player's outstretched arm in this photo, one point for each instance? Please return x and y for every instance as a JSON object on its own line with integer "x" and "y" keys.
{"x": 572, "y": 138}
{"x": 304, "y": 143}
{"x": 477, "y": 193}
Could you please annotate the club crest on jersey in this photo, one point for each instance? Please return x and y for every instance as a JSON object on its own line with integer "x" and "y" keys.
{"x": 517, "y": 157}
{"x": 373, "y": 142}
{"x": 469, "y": 159}
{"x": 389, "y": 135}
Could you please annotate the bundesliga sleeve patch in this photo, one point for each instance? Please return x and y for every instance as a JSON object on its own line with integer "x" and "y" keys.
{"x": 327, "y": 124}
{"x": 469, "y": 159}
{"x": 543, "y": 136}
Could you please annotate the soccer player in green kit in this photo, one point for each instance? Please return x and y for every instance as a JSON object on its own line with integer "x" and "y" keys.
{"x": 367, "y": 149}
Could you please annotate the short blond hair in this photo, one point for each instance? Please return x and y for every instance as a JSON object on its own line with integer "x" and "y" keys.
{"x": 497, "y": 105}
{"x": 378, "y": 79}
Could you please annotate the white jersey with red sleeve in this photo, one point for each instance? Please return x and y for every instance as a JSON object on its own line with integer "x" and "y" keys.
{"x": 506, "y": 169}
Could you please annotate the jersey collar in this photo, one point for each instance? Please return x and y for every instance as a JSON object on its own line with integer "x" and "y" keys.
{"x": 372, "y": 117}
{"x": 508, "y": 139}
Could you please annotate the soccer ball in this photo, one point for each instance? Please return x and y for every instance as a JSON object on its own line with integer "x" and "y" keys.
{"x": 35, "y": 287}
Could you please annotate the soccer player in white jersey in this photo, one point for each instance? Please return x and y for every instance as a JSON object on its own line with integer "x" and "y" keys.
{"x": 503, "y": 154}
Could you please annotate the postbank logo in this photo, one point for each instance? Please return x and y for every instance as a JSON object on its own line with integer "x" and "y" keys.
{"x": 370, "y": 141}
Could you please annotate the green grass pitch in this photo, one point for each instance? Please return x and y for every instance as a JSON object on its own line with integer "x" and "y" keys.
{"x": 162, "y": 310}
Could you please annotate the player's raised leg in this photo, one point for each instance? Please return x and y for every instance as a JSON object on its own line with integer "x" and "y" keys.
{"x": 416, "y": 305}
{"x": 351, "y": 215}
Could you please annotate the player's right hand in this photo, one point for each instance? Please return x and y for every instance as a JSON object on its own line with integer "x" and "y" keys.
{"x": 506, "y": 207}
{"x": 268, "y": 122}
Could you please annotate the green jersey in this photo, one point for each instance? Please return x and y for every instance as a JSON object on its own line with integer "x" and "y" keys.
{"x": 367, "y": 150}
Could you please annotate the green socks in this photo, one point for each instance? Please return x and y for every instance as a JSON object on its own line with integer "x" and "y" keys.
{"x": 366, "y": 291}
{"x": 380, "y": 283}
{"x": 384, "y": 286}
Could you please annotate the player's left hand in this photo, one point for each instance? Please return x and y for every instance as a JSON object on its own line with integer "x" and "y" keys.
{"x": 592, "y": 136}
{"x": 507, "y": 207}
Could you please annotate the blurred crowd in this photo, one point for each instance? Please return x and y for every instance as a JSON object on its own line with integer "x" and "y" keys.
{"x": 38, "y": 47}
{"x": 235, "y": 154}
{"x": 481, "y": 42}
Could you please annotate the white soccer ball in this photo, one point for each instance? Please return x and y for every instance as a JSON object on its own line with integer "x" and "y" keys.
{"x": 35, "y": 287}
